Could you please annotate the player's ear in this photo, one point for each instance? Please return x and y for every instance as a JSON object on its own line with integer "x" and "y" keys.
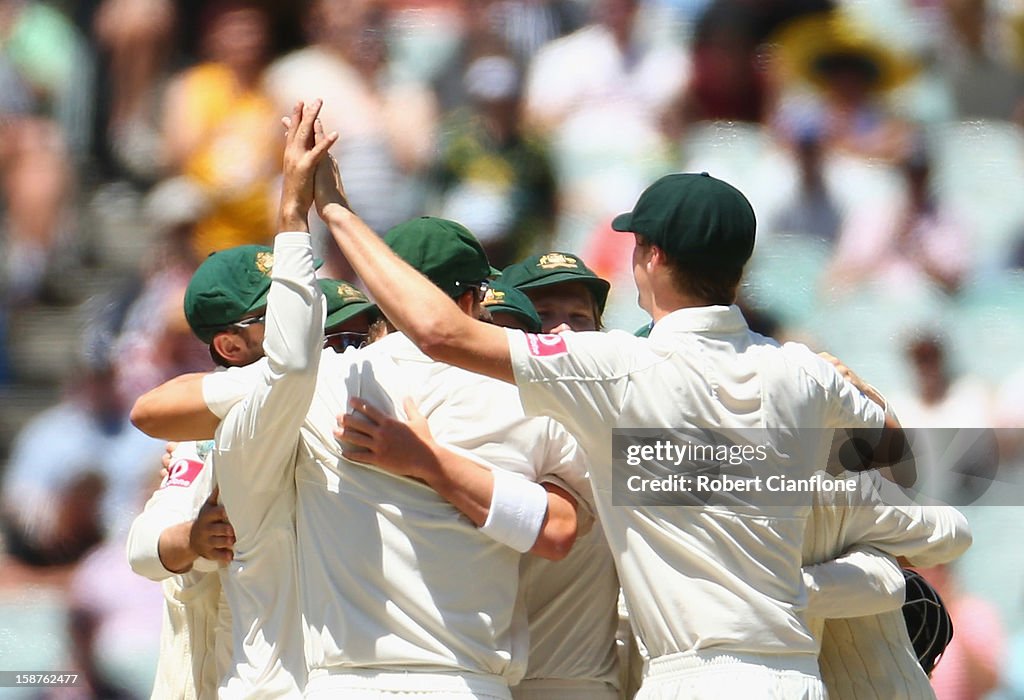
{"x": 658, "y": 256}
{"x": 228, "y": 346}
{"x": 467, "y": 302}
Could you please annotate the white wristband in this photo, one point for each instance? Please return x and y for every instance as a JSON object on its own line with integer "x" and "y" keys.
{"x": 517, "y": 511}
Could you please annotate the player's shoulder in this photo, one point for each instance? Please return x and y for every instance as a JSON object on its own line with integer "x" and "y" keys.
{"x": 799, "y": 356}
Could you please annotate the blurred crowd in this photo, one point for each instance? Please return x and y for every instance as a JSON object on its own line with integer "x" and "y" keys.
{"x": 880, "y": 141}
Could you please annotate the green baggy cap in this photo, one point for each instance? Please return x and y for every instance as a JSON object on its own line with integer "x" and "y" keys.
{"x": 694, "y": 217}
{"x": 442, "y": 250}
{"x": 501, "y": 298}
{"x": 226, "y": 287}
{"x": 344, "y": 302}
{"x": 555, "y": 268}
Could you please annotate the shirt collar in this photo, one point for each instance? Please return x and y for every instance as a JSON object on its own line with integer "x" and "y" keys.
{"x": 701, "y": 319}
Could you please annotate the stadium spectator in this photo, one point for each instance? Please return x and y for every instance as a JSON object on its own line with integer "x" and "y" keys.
{"x": 813, "y": 210}
{"x": 75, "y": 470}
{"x": 218, "y": 128}
{"x": 608, "y": 63}
{"x": 493, "y": 177}
{"x": 387, "y": 128}
{"x": 911, "y": 241}
{"x": 851, "y": 74}
{"x": 135, "y": 39}
{"x": 44, "y": 97}
{"x": 971, "y": 666}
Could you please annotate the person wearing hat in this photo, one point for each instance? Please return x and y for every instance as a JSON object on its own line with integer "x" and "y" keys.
{"x": 245, "y": 302}
{"x": 565, "y": 292}
{"x": 349, "y": 315}
{"x": 714, "y": 597}
{"x": 571, "y": 604}
{"x": 436, "y": 613}
{"x": 510, "y": 308}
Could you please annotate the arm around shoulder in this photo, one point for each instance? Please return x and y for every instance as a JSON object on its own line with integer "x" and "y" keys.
{"x": 175, "y": 410}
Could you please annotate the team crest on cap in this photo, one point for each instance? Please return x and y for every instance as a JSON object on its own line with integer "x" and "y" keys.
{"x": 553, "y": 260}
{"x": 264, "y": 262}
{"x": 493, "y": 296}
{"x": 347, "y": 291}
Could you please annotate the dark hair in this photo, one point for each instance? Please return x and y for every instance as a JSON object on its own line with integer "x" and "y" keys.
{"x": 713, "y": 284}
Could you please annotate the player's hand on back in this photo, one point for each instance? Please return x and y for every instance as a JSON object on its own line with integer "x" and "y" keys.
{"x": 212, "y": 536}
{"x": 169, "y": 448}
{"x": 406, "y": 448}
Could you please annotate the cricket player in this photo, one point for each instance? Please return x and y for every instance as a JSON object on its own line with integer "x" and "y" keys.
{"x": 715, "y": 593}
{"x": 183, "y": 532}
{"x": 510, "y": 308}
{"x": 572, "y": 605}
{"x": 175, "y": 541}
{"x": 855, "y": 600}
{"x": 565, "y": 292}
{"x": 253, "y": 461}
{"x": 857, "y": 585}
{"x": 383, "y": 613}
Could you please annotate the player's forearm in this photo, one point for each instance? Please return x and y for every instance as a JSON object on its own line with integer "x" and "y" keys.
{"x": 176, "y": 554}
{"x": 410, "y": 301}
{"x": 144, "y": 544}
{"x": 470, "y": 487}
{"x": 460, "y": 481}
{"x": 558, "y": 533}
{"x": 295, "y": 307}
{"x": 175, "y": 410}
{"x": 858, "y": 583}
{"x": 945, "y": 536}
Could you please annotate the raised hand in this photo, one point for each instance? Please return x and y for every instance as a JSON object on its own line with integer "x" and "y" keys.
{"x": 302, "y": 152}
{"x": 328, "y": 188}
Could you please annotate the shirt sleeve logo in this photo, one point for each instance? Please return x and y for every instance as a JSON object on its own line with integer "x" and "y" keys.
{"x": 182, "y": 473}
{"x": 546, "y": 345}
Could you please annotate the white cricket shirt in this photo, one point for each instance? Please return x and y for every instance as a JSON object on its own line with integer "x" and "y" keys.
{"x": 572, "y": 609}
{"x": 392, "y": 576}
{"x": 254, "y": 466}
{"x": 871, "y": 656}
{"x": 187, "y": 667}
{"x": 698, "y": 578}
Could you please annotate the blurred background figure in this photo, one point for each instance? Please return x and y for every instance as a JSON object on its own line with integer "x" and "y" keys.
{"x": 44, "y": 97}
{"x": 76, "y": 468}
{"x": 913, "y": 240}
{"x": 493, "y": 177}
{"x": 981, "y": 53}
{"x": 608, "y": 63}
{"x": 971, "y": 666}
{"x": 135, "y": 41}
{"x": 387, "y": 126}
{"x": 839, "y": 76}
{"x": 217, "y": 121}
{"x": 813, "y": 211}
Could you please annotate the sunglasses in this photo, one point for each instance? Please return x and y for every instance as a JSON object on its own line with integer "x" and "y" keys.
{"x": 340, "y": 342}
{"x": 479, "y": 288}
{"x": 246, "y": 322}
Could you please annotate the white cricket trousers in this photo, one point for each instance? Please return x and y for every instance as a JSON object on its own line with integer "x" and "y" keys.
{"x": 700, "y": 675}
{"x": 364, "y": 684}
{"x": 552, "y": 689}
